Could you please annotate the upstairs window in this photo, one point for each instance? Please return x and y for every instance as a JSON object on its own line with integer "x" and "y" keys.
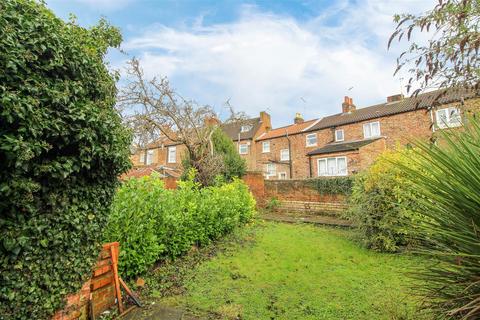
{"x": 149, "y": 157}
{"x": 271, "y": 170}
{"x": 265, "y": 146}
{"x": 339, "y": 135}
{"x": 371, "y": 130}
{"x": 335, "y": 166}
{"x": 284, "y": 155}
{"x": 243, "y": 148}
{"x": 448, "y": 118}
{"x": 172, "y": 154}
{"x": 311, "y": 140}
{"x": 245, "y": 128}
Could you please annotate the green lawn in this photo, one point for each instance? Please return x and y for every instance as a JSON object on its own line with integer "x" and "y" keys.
{"x": 288, "y": 271}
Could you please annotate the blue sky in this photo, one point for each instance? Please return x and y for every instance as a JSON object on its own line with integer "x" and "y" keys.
{"x": 280, "y": 56}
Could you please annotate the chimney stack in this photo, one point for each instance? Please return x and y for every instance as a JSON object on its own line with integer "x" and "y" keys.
{"x": 265, "y": 119}
{"x": 347, "y": 105}
{"x": 395, "y": 98}
{"x": 298, "y": 118}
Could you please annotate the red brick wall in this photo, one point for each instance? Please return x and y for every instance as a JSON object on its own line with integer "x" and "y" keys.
{"x": 101, "y": 287}
{"x": 297, "y": 190}
{"x": 256, "y": 184}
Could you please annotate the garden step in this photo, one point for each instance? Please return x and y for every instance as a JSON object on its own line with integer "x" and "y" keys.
{"x": 315, "y": 219}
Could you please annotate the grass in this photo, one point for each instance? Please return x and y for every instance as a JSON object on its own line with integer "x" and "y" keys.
{"x": 283, "y": 271}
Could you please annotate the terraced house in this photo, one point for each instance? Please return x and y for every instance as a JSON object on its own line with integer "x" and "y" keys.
{"x": 337, "y": 145}
{"x": 347, "y": 142}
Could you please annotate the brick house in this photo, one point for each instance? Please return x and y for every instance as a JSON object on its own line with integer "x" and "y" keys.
{"x": 281, "y": 152}
{"x": 351, "y": 140}
{"x": 244, "y": 134}
{"x": 163, "y": 156}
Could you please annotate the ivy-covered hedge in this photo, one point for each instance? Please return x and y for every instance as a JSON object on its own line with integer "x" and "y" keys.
{"x": 332, "y": 185}
{"x": 62, "y": 147}
{"x": 151, "y": 222}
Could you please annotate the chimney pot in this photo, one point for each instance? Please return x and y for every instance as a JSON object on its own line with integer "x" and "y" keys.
{"x": 394, "y": 98}
{"x": 347, "y": 105}
{"x": 298, "y": 118}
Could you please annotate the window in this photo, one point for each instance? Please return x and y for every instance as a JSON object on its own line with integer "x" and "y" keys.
{"x": 246, "y": 128}
{"x": 271, "y": 170}
{"x": 149, "y": 157}
{"x": 141, "y": 158}
{"x": 311, "y": 140}
{"x": 266, "y": 146}
{"x": 243, "y": 148}
{"x": 284, "y": 155}
{"x": 339, "y": 135}
{"x": 172, "y": 154}
{"x": 282, "y": 175}
{"x": 371, "y": 130}
{"x": 336, "y": 166}
{"x": 448, "y": 118}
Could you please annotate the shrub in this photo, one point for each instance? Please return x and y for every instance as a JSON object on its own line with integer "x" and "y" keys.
{"x": 448, "y": 178}
{"x": 152, "y": 223}
{"x": 382, "y": 204}
{"x": 227, "y": 162}
{"x": 272, "y": 204}
{"x": 62, "y": 147}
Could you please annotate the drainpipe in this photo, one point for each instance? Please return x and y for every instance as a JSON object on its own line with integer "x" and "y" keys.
{"x": 289, "y": 155}
{"x": 310, "y": 166}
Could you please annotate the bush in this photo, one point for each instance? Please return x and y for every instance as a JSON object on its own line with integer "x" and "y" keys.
{"x": 382, "y": 204}
{"x": 62, "y": 147}
{"x": 235, "y": 165}
{"x": 447, "y": 176}
{"x": 153, "y": 223}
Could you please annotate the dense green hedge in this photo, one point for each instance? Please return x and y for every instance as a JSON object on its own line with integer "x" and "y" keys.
{"x": 333, "y": 185}
{"x": 62, "y": 147}
{"x": 151, "y": 222}
{"x": 383, "y": 204}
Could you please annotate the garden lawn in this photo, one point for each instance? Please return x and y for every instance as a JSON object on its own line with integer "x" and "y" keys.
{"x": 299, "y": 272}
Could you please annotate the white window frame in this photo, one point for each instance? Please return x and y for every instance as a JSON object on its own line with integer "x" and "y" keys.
{"x": 245, "y": 128}
{"x": 141, "y": 158}
{"x": 334, "y": 174}
{"x": 150, "y": 155}
{"x": 370, "y": 125}
{"x": 307, "y": 142}
{"x": 172, "y": 154}
{"x": 282, "y": 175}
{"x": 265, "y": 146}
{"x": 270, "y": 173}
{"x": 282, "y": 158}
{"x": 448, "y": 123}
{"x": 240, "y": 145}
{"x": 336, "y": 135}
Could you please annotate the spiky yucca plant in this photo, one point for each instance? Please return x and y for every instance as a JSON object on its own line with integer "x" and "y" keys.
{"x": 448, "y": 177}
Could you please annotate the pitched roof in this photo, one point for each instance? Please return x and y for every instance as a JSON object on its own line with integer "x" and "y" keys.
{"x": 234, "y": 128}
{"x": 283, "y": 131}
{"x": 342, "y": 146}
{"x": 422, "y": 101}
{"x": 148, "y": 170}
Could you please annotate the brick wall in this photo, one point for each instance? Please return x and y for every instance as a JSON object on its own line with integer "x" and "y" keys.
{"x": 100, "y": 287}
{"x": 256, "y": 184}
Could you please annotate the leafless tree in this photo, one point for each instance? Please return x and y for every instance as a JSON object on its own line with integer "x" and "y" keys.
{"x": 153, "y": 110}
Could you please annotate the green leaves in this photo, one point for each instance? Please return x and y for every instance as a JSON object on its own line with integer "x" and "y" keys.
{"x": 447, "y": 175}
{"x": 383, "y": 205}
{"x": 62, "y": 147}
{"x": 152, "y": 223}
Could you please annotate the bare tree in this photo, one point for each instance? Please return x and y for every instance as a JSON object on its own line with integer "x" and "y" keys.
{"x": 153, "y": 109}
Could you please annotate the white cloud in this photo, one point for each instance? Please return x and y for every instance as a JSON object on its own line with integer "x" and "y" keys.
{"x": 269, "y": 61}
